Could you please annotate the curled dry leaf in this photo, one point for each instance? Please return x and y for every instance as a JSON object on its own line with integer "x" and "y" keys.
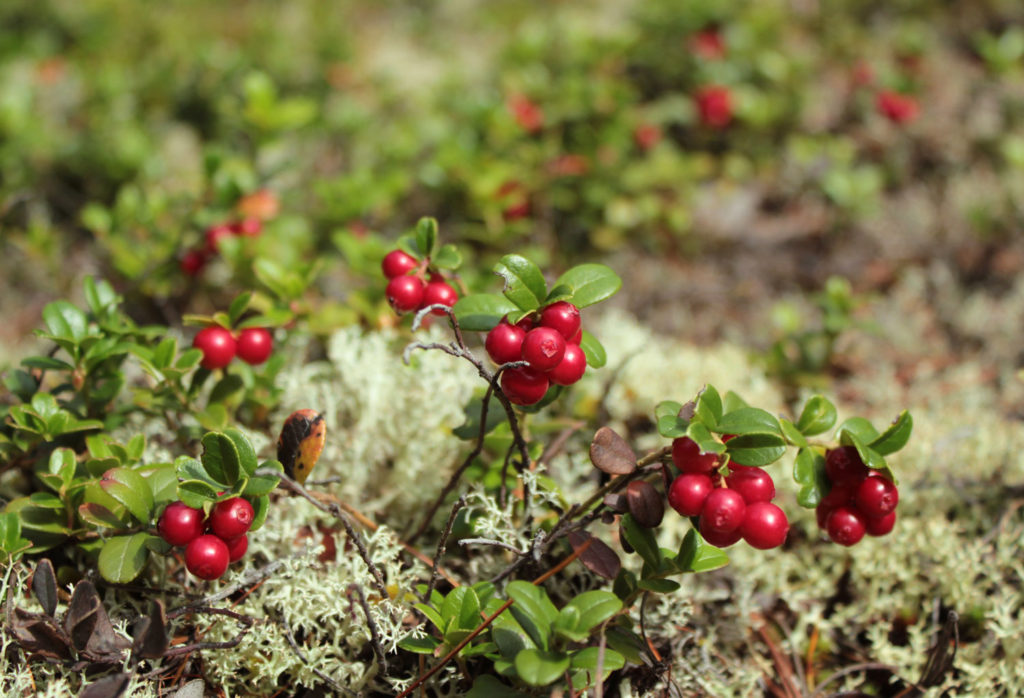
{"x": 44, "y": 585}
{"x": 645, "y": 503}
{"x": 610, "y": 453}
{"x": 599, "y": 558}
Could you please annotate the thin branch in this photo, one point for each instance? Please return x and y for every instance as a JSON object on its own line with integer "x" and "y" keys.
{"x": 489, "y": 541}
{"x": 378, "y": 649}
{"x": 305, "y": 660}
{"x": 441, "y": 548}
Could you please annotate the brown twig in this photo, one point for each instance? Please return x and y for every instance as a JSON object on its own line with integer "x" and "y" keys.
{"x": 441, "y": 548}
{"x": 378, "y": 649}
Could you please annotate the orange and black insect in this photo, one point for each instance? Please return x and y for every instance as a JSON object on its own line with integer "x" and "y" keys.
{"x": 301, "y": 441}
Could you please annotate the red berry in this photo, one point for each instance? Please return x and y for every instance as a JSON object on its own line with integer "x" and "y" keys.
{"x": 543, "y": 348}
{"x": 714, "y": 104}
{"x": 571, "y": 368}
{"x": 527, "y": 323}
{"x": 764, "y": 526}
{"x": 708, "y": 44}
{"x": 845, "y": 525}
{"x": 562, "y": 316}
{"x": 880, "y": 526}
{"x": 646, "y": 136}
{"x": 237, "y": 547}
{"x": 527, "y": 114}
{"x": 216, "y": 233}
{"x": 207, "y": 557}
{"x": 254, "y": 345}
{"x": 248, "y": 227}
{"x": 753, "y": 484}
{"x": 193, "y": 262}
{"x": 524, "y": 386}
{"x": 217, "y": 344}
{"x": 405, "y": 293}
{"x": 504, "y": 343}
{"x": 876, "y": 497}
{"x": 231, "y": 518}
{"x": 688, "y": 492}
{"x": 717, "y": 538}
{"x": 723, "y": 510}
{"x": 577, "y": 338}
{"x": 438, "y": 292}
{"x": 896, "y": 107}
{"x": 838, "y": 495}
{"x": 397, "y": 263}
{"x": 844, "y": 466}
{"x": 688, "y": 458}
{"x": 180, "y": 524}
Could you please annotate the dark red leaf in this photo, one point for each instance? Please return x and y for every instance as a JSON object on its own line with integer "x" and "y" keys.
{"x": 610, "y": 453}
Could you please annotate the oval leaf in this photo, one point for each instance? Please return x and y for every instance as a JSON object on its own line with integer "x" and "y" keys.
{"x": 593, "y": 350}
{"x": 220, "y": 458}
{"x": 610, "y": 453}
{"x": 599, "y": 558}
{"x": 246, "y": 455}
{"x": 817, "y": 416}
{"x": 896, "y": 436}
{"x": 748, "y": 420}
{"x": 756, "y": 449}
{"x": 593, "y": 608}
{"x": 590, "y": 283}
{"x": 122, "y": 558}
{"x": 809, "y": 473}
{"x": 482, "y": 311}
{"x": 539, "y": 668}
{"x": 524, "y": 282}
{"x": 131, "y": 490}
{"x": 697, "y": 555}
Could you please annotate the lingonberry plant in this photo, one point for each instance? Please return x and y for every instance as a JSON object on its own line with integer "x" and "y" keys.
{"x": 418, "y": 276}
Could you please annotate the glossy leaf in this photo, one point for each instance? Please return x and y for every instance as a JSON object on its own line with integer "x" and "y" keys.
{"x": 419, "y": 645}
{"x": 708, "y": 406}
{"x": 895, "y": 436}
{"x": 590, "y": 283}
{"x": 599, "y": 558}
{"x": 593, "y": 608}
{"x": 809, "y": 473}
{"x": 671, "y": 424}
{"x": 131, "y": 490}
{"x": 641, "y": 539}
{"x": 593, "y": 350}
{"x": 426, "y": 236}
{"x": 871, "y": 458}
{"x": 756, "y": 449}
{"x": 448, "y": 257}
{"x": 610, "y": 453}
{"x": 238, "y": 307}
{"x": 524, "y": 282}
{"x": 539, "y": 668}
{"x": 259, "y": 485}
{"x": 748, "y": 420}
{"x": 860, "y": 428}
{"x": 123, "y": 557}
{"x": 659, "y": 585}
{"x": 817, "y": 416}
{"x": 220, "y": 458}
{"x": 533, "y": 609}
{"x": 587, "y": 660}
{"x": 792, "y": 434}
{"x": 697, "y": 555}
{"x": 65, "y": 320}
{"x": 487, "y": 686}
{"x": 480, "y": 312}
{"x": 703, "y": 438}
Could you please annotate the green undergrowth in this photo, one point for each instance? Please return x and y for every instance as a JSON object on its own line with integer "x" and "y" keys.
{"x": 955, "y": 546}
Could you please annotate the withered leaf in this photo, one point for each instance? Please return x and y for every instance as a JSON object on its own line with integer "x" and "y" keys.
{"x": 150, "y": 633}
{"x": 44, "y": 586}
{"x": 645, "y": 503}
{"x": 610, "y": 453}
{"x": 89, "y": 627}
{"x": 107, "y": 687}
{"x": 41, "y": 637}
{"x": 616, "y": 502}
{"x": 598, "y": 558}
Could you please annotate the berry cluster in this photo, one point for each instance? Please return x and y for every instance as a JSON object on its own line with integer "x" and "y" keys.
{"x": 737, "y": 506}
{"x": 219, "y": 346}
{"x": 549, "y": 343}
{"x": 860, "y": 500}
{"x": 714, "y": 106}
{"x": 897, "y": 107}
{"x": 211, "y": 543}
{"x": 195, "y": 260}
{"x": 407, "y": 291}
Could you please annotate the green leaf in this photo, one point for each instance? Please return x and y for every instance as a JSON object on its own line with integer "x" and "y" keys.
{"x": 697, "y": 555}
{"x": 566, "y": 625}
{"x": 261, "y": 507}
{"x": 226, "y": 387}
{"x": 756, "y": 449}
{"x": 703, "y": 438}
{"x": 419, "y": 645}
{"x": 487, "y": 686}
{"x": 123, "y": 557}
{"x": 220, "y": 458}
{"x": 99, "y": 295}
{"x": 587, "y": 659}
{"x": 670, "y": 424}
{"x": 733, "y": 402}
{"x": 860, "y": 428}
{"x": 593, "y": 608}
{"x": 818, "y": 416}
{"x": 792, "y": 434}
{"x": 558, "y": 292}
{"x": 539, "y": 668}
{"x": 11, "y": 541}
{"x": 426, "y": 236}
{"x": 809, "y": 473}
{"x": 263, "y": 484}
{"x": 196, "y": 493}
{"x": 593, "y": 350}
{"x": 448, "y": 257}
{"x": 708, "y": 406}
{"x": 46, "y": 363}
{"x": 463, "y": 606}
{"x": 748, "y": 420}
{"x": 246, "y": 454}
{"x": 590, "y": 283}
{"x": 432, "y": 615}
{"x": 480, "y": 312}
{"x": 99, "y": 515}
{"x": 871, "y": 458}
{"x": 641, "y": 539}
{"x": 895, "y": 436}
{"x": 65, "y": 320}
{"x": 238, "y": 307}
{"x": 131, "y": 490}
{"x": 524, "y": 282}
{"x": 533, "y": 609}
{"x": 659, "y": 585}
